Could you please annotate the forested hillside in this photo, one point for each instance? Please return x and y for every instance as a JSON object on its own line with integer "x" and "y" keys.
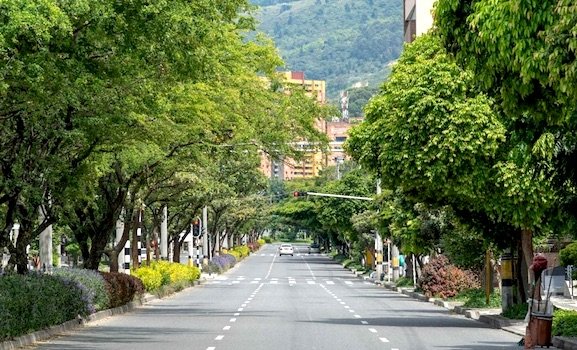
{"x": 340, "y": 41}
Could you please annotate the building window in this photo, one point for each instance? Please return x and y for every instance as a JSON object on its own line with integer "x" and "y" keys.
{"x": 340, "y": 138}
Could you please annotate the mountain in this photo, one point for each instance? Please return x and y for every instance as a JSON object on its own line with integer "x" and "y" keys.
{"x": 344, "y": 42}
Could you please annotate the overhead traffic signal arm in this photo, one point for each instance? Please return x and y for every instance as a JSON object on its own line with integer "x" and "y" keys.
{"x": 301, "y": 194}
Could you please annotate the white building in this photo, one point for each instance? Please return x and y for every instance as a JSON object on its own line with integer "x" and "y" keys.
{"x": 418, "y": 18}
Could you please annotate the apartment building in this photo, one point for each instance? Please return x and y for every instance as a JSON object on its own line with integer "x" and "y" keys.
{"x": 313, "y": 161}
{"x": 314, "y": 88}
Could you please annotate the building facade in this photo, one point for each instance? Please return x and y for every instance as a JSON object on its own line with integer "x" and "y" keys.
{"x": 313, "y": 161}
{"x": 418, "y": 18}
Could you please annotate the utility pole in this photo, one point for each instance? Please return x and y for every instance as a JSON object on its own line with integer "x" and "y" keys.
{"x": 507, "y": 296}
{"x": 164, "y": 234}
{"x": 395, "y": 257}
{"x": 379, "y": 244}
{"x": 205, "y": 238}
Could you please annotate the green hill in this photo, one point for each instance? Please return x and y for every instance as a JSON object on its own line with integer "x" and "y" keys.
{"x": 341, "y": 41}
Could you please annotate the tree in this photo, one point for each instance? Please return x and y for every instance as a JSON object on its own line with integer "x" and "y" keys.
{"x": 95, "y": 92}
{"x": 529, "y": 71}
{"x": 440, "y": 141}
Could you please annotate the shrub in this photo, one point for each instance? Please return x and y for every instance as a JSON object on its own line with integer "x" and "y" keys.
{"x": 122, "y": 288}
{"x": 182, "y": 273}
{"x": 211, "y": 267}
{"x": 92, "y": 280}
{"x": 242, "y": 250}
{"x": 516, "y": 311}
{"x": 475, "y": 298}
{"x": 151, "y": 278}
{"x": 441, "y": 279}
{"x": 224, "y": 261}
{"x": 337, "y": 257}
{"x": 162, "y": 273}
{"x": 347, "y": 262}
{"x": 162, "y": 267}
{"x": 565, "y": 323}
{"x": 267, "y": 239}
{"x": 253, "y": 246}
{"x": 237, "y": 255}
{"x": 568, "y": 255}
{"x": 33, "y": 302}
{"x": 261, "y": 242}
{"x": 404, "y": 282}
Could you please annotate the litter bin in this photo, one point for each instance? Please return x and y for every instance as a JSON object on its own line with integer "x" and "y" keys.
{"x": 541, "y": 324}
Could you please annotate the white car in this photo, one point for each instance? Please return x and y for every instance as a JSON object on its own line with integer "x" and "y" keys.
{"x": 286, "y": 249}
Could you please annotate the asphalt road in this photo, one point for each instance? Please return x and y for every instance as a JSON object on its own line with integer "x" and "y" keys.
{"x": 299, "y": 302}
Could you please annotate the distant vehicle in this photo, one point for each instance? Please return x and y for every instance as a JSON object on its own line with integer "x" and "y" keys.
{"x": 286, "y": 249}
{"x": 314, "y": 248}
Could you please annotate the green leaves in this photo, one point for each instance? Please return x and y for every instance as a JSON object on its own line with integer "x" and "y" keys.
{"x": 431, "y": 130}
{"x": 99, "y": 99}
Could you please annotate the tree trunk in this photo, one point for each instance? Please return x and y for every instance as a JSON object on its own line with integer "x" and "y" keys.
{"x": 524, "y": 274}
{"x": 520, "y": 274}
{"x": 113, "y": 258}
{"x": 176, "y": 251}
{"x": 99, "y": 242}
{"x": 19, "y": 258}
{"x": 134, "y": 240}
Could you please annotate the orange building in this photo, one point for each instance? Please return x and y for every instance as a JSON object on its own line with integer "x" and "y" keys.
{"x": 314, "y": 161}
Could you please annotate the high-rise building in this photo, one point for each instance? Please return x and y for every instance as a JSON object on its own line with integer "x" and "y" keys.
{"x": 313, "y": 161}
{"x": 313, "y": 88}
{"x": 418, "y": 17}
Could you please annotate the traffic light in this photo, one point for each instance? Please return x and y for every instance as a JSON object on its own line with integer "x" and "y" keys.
{"x": 196, "y": 227}
{"x": 299, "y": 194}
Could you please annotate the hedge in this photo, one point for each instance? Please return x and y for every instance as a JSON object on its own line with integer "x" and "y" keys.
{"x": 90, "y": 279}
{"x": 32, "y": 302}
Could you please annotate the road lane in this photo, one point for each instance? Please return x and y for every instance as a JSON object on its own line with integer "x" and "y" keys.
{"x": 299, "y": 302}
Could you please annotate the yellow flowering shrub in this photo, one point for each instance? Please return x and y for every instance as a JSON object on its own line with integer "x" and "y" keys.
{"x": 235, "y": 253}
{"x": 161, "y": 273}
{"x": 242, "y": 250}
{"x": 152, "y": 279}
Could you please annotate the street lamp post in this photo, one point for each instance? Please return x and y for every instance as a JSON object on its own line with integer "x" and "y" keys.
{"x": 339, "y": 161}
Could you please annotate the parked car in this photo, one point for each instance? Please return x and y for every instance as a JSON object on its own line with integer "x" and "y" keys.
{"x": 314, "y": 248}
{"x": 286, "y": 249}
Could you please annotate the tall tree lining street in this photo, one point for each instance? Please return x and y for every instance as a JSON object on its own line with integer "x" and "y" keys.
{"x": 306, "y": 301}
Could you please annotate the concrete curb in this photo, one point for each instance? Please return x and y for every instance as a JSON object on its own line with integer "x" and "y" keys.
{"x": 565, "y": 343}
{"x": 45, "y": 334}
{"x": 31, "y": 338}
